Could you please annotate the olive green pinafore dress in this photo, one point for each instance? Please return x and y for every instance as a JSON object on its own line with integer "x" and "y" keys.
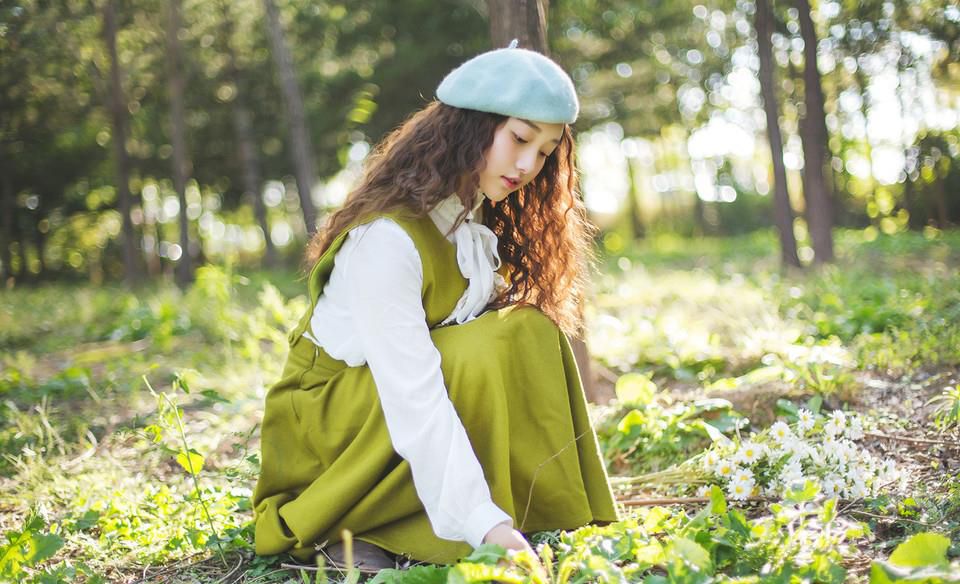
{"x": 327, "y": 462}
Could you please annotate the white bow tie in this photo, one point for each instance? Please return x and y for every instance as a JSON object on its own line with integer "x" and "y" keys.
{"x": 477, "y": 258}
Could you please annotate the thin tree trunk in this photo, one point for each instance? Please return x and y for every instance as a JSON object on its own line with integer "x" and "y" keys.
{"x": 40, "y": 242}
{"x": 813, "y": 131}
{"x": 21, "y": 273}
{"x": 118, "y": 114}
{"x": 183, "y": 273}
{"x": 940, "y": 200}
{"x": 247, "y": 147}
{"x": 300, "y": 147}
{"x": 524, "y": 20}
{"x": 634, "y": 212}
{"x": 6, "y": 228}
{"x": 782, "y": 213}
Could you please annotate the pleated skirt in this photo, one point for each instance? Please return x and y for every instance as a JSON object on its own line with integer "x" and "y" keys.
{"x": 328, "y": 463}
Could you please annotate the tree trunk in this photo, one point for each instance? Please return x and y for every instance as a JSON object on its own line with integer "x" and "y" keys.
{"x": 40, "y": 242}
{"x": 6, "y": 228}
{"x": 247, "y": 147}
{"x": 118, "y": 115}
{"x": 524, "y": 20}
{"x": 183, "y": 272}
{"x": 300, "y": 147}
{"x": 940, "y": 201}
{"x": 782, "y": 213}
{"x": 634, "y": 212}
{"x": 813, "y": 130}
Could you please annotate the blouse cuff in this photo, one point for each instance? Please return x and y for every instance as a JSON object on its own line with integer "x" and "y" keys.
{"x": 481, "y": 521}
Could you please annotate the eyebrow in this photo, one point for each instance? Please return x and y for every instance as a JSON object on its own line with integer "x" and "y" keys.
{"x": 537, "y": 128}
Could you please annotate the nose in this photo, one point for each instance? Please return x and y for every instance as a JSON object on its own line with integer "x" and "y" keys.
{"x": 526, "y": 162}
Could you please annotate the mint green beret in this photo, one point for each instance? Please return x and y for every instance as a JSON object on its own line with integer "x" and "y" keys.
{"x": 512, "y": 82}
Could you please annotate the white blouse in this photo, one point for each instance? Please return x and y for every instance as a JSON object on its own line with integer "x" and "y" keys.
{"x": 371, "y": 311}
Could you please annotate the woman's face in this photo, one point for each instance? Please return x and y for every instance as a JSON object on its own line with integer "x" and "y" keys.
{"x": 516, "y": 156}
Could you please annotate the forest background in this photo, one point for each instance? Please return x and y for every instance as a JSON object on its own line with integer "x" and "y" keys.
{"x": 775, "y": 186}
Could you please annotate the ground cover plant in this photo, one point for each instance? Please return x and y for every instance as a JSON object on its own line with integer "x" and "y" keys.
{"x": 768, "y": 426}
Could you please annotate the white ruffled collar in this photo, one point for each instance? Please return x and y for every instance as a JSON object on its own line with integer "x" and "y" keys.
{"x": 477, "y": 257}
{"x": 445, "y": 213}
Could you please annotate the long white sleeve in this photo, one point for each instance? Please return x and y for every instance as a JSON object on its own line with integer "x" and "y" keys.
{"x": 377, "y": 281}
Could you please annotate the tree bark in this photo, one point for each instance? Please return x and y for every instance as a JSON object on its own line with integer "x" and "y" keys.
{"x": 634, "y": 211}
{"x": 524, "y": 20}
{"x": 782, "y": 213}
{"x": 183, "y": 272}
{"x": 118, "y": 115}
{"x": 40, "y": 242}
{"x": 246, "y": 145}
{"x": 813, "y": 130}
{"x": 300, "y": 147}
{"x": 6, "y": 228}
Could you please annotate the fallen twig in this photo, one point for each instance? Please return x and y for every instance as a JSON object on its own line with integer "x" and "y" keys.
{"x": 954, "y": 443}
{"x": 877, "y": 516}
{"x": 675, "y": 501}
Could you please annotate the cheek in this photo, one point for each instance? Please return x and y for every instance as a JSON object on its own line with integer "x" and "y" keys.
{"x": 501, "y": 149}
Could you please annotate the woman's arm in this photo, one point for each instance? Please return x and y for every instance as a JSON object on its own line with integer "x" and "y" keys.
{"x": 384, "y": 278}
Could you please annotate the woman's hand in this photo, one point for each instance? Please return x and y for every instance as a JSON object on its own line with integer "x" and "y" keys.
{"x": 507, "y": 537}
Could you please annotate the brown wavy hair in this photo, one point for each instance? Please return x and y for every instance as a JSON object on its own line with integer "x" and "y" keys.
{"x": 545, "y": 240}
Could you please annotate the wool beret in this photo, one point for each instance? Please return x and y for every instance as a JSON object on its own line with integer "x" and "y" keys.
{"x": 512, "y": 82}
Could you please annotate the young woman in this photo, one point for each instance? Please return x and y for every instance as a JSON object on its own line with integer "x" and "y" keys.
{"x": 430, "y": 401}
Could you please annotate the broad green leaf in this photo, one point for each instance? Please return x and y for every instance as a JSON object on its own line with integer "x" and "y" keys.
{"x": 414, "y": 575}
{"x": 633, "y": 418}
{"x": 787, "y": 407}
{"x": 690, "y": 553}
{"x": 923, "y": 549}
{"x": 829, "y": 511}
{"x": 635, "y": 388}
{"x": 650, "y": 554}
{"x": 191, "y": 461}
{"x": 802, "y": 494}
{"x": 486, "y": 554}
{"x": 718, "y": 504}
{"x": 466, "y": 573}
{"x": 655, "y": 519}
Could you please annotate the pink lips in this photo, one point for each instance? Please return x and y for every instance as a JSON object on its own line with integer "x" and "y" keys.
{"x": 510, "y": 183}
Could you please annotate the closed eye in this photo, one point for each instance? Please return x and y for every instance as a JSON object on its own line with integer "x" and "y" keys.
{"x": 519, "y": 139}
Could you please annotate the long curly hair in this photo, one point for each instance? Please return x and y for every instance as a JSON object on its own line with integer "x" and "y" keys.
{"x": 545, "y": 240}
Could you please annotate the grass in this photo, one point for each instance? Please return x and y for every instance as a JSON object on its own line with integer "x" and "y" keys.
{"x": 98, "y": 483}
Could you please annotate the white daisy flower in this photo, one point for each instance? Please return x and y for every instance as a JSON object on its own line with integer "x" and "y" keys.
{"x": 832, "y": 428}
{"x": 805, "y": 420}
{"x": 856, "y": 490}
{"x": 888, "y": 473}
{"x": 742, "y": 475}
{"x": 710, "y": 460}
{"x": 855, "y": 428}
{"x": 750, "y": 453}
{"x": 781, "y": 432}
{"x": 839, "y": 418}
{"x": 817, "y": 456}
{"x": 703, "y": 491}
{"x": 832, "y": 485}
{"x": 725, "y": 469}
{"x": 739, "y": 490}
{"x": 792, "y": 472}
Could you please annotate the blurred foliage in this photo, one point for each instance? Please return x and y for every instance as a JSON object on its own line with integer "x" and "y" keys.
{"x": 671, "y": 84}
